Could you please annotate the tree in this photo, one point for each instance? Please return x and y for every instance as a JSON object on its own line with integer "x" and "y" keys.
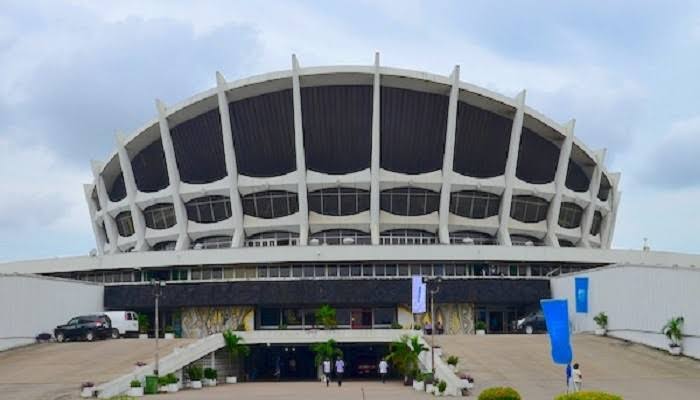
{"x": 674, "y": 331}
{"x": 144, "y": 323}
{"x": 325, "y": 316}
{"x": 404, "y": 354}
{"x": 327, "y": 350}
{"x": 236, "y": 348}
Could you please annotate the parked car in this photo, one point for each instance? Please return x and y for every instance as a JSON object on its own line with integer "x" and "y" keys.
{"x": 126, "y": 322}
{"x": 531, "y": 323}
{"x": 87, "y": 327}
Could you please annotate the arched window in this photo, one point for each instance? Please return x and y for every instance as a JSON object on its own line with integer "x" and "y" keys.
{"x": 209, "y": 209}
{"x": 160, "y": 216}
{"x": 529, "y": 209}
{"x": 409, "y": 201}
{"x": 473, "y": 204}
{"x": 407, "y": 236}
{"x": 472, "y": 237}
{"x": 125, "y": 225}
{"x": 524, "y": 240}
{"x": 604, "y": 190}
{"x": 570, "y": 215}
{"x": 597, "y": 222}
{"x": 212, "y": 242}
{"x": 270, "y": 204}
{"x": 269, "y": 239}
{"x": 341, "y": 236}
{"x": 168, "y": 245}
{"x": 339, "y": 201}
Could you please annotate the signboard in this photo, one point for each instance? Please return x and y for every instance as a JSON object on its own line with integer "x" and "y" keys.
{"x": 417, "y": 294}
{"x": 581, "y": 287}
{"x": 556, "y": 315}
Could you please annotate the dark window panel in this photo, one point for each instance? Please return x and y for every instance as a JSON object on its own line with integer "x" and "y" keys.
{"x": 605, "y": 187}
{"x": 576, "y": 178}
{"x": 570, "y": 215}
{"x": 160, "y": 216}
{"x": 199, "y": 148}
{"x": 270, "y": 204}
{"x": 117, "y": 190}
{"x": 537, "y": 158}
{"x": 150, "y": 170}
{"x": 409, "y": 201}
{"x": 125, "y": 225}
{"x": 529, "y": 209}
{"x": 482, "y": 139}
{"x": 474, "y": 204}
{"x": 208, "y": 209}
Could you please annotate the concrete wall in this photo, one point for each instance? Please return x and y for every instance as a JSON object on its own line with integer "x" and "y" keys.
{"x": 31, "y": 304}
{"x": 638, "y": 301}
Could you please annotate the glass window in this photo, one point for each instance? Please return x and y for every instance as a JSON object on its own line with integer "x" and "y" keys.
{"x": 309, "y": 318}
{"x": 384, "y": 316}
{"x": 409, "y": 201}
{"x": 284, "y": 271}
{"x": 208, "y": 209}
{"x": 291, "y": 316}
{"x": 474, "y": 204}
{"x": 367, "y": 270}
{"x": 570, "y": 215}
{"x": 269, "y": 316}
{"x": 597, "y": 222}
{"x": 270, "y": 204}
{"x": 297, "y": 271}
{"x": 415, "y": 269}
{"x": 125, "y": 225}
{"x": 379, "y": 270}
{"x": 262, "y": 271}
{"x": 274, "y": 271}
{"x": 320, "y": 271}
{"x": 460, "y": 270}
{"x": 333, "y": 270}
{"x": 355, "y": 270}
{"x": 342, "y": 237}
{"x": 529, "y": 209}
{"x": 403, "y": 270}
{"x": 342, "y": 316}
{"x": 160, "y": 216}
{"x": 308, "y": 271}
{"x": 391, "y": 270}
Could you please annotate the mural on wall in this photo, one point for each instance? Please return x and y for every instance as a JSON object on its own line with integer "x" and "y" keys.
{"x": 199, "y": 322}
{"x": 455, "y": 318}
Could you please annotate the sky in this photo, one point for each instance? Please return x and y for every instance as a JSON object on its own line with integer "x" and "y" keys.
{"x": 75, "y": 73}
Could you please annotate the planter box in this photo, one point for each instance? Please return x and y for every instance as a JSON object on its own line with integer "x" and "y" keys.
{"x": 600, "y": 332}
{"x": 429, "y": 388}
{"x": 480, "y": 332}
{"x": 231, "y": 379}
{"x": 173, "y": 387}
{"x": 675, "y": 350}
{"x": 170, "y": 336}
{"x": 196, "y": 384}
{"x": 143, "y": 336}
{"x": 136, "y": 392}
{"x": 419, "y": 386}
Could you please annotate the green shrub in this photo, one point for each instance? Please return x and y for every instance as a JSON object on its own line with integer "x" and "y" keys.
{"x": 195, "y": 373}
{"x": 210, "y": 373}
{"x": 442, "y": 386}
{"x": 163, "y": 381}
{"x": 588, "y": 396}
{"x": 396, "y": 325}
{"x": 171, "y": 378}
{"x": 135, "y": 383}
{"x": 499, "y": 393}
{"x": 452, "y": 360}
{"x": 428, "y": 378}
{"x": 480, "y": 326}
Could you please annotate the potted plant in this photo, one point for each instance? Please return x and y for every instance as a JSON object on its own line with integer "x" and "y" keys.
{"x": 172, "y": 382}
{"x": 136, "y": 389}
{"x": 87, "y": 389}
{"x": 480, "y": 327}
{"x": 396, "y": 325}
{"x": 144, "y": 326}
{"x": 418, "y": 384}
{"x": 442, "y": 386}
{"x": 429, "y": 381}
{"x": 452, "y": 362}
{"x": 674, "y": 332}
{"x": 195, "y": 373}
{"x": 169, "y": 332}
{"x": 163, "y": 384}
{"x": 210, "y": 376}
{"x": 327, "y": 350}
{"x": 404, "y": 355}
{"x": 236, "y": 349}
{"x": 602, "y": 321}
{"x": 325, "y": 316}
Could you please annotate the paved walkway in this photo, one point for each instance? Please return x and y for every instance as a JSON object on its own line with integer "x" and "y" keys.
{"x": 523, "y": 361}
{"x": 55, "y": 371}
{"x": 352, "y": 390}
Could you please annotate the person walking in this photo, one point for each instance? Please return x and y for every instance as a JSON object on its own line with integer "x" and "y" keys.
{"x": 383, "y": 369}
{"x": 339, "y": 370}
{"x": 327, "y": 371}
{"x": 578, "y": 378}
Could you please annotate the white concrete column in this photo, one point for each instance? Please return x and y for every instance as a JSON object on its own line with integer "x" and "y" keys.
{"x": 231, "y": 166}
{"x": 97, "y": 230}
{"x": 593, "y": 190}
{"x": 375, "y": 169}
{"x": 103, "y": 197}
{"x": 559, "y": 184}
{"x": 131, "y": 190}
{"x": 509, "y": 174}
{"x": 448, "y": 158}
{"x": 183, "y": 241}
{"x": 608, "y": 227}
{"x": 301, "y": 155}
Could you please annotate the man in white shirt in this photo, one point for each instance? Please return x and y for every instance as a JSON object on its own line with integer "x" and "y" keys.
{"x": 339, "y": 370}
{"x": 578, "y": 378}
{"x": 383, "y": 369}
{"x": 327, "y": 371}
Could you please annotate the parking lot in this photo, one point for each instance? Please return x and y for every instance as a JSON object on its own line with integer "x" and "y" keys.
{"x": 54, "y": 371}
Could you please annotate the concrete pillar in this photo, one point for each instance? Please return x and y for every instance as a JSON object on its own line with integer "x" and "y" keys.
{"x": 110, "y": 224}
{"x": 231, "y": 166}
{"x": 509, "y": 174}
{"x": 300, "y": 155}
{"x": 99, "y": 234}
{"x": 559, "y": 185}
{"x": 593, "y": 190}
{"x": 375, "y": 168}
{"x": 183, "y": 241}
{"x": 608, "y": 226}
{"x": 131, "y": 191}
{"x": 448, "y": 158}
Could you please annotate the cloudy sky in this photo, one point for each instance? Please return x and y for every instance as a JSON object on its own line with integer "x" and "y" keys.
{"x": 72, "y": 74}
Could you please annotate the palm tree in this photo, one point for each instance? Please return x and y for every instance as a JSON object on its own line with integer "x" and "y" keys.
{"x": 327, "y": 350}
{"x": 674, "y": 330}
{"x": 236, "y": 348}
{"x": 404, "y": 355}
{"x": 325, "y": 316}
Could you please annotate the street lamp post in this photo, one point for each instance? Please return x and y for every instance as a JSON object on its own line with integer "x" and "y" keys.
{"x": 157, "y": 292}
{"x": 433, "y": 291}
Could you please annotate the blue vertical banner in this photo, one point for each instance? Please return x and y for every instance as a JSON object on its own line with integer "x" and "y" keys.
{"x": 581, "y": 287}
{"x": 556, "y": 315}
{"x": 417, "y": 294}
